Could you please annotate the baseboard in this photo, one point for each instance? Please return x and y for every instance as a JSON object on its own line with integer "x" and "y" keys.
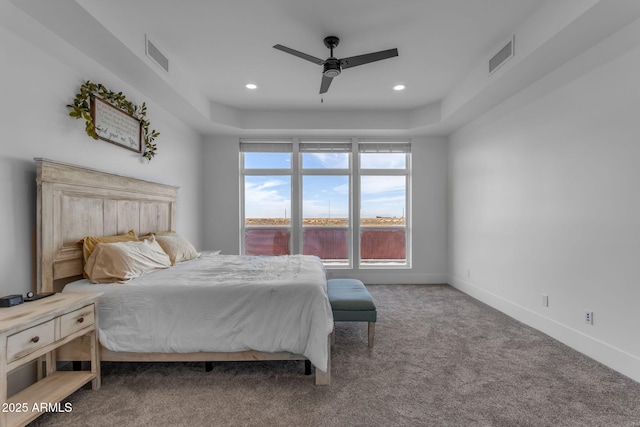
{"x": 387, "y": 277}
{"x": 611, "y": 356}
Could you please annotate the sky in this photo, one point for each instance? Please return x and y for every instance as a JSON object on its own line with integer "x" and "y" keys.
{"x": 324, "y": 196}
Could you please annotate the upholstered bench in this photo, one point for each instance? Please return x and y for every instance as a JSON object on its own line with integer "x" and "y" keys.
{"x": 351, "y": 302}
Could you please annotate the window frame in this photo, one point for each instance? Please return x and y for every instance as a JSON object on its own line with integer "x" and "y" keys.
{"x": 385, "y": 146}
{"x": 270, "y": 146}
{"x": 349, "y": 172}
{"x": 354, "y": 172}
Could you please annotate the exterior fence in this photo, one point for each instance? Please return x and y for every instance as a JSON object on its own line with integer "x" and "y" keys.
{"x": 330, "y": 243}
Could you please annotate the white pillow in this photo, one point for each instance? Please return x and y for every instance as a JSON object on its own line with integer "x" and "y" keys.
{"x": 177, "y": 247}
{"x": 123, "y": 261}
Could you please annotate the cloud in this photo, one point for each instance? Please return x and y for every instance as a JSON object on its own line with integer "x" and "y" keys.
{"x": 270, "y": 197}
{"x": 267, "y": 199}
{"x": 382, "y": 184}
{"x": 325, "y": 208}
{"x": 342, "y": 189}
{"x": 326, "y": 160}
{"x": 382, "y": 161}
{"x": 259, "y": 186}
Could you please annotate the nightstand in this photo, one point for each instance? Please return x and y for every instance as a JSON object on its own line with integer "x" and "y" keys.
{"x": 33, "y": 331}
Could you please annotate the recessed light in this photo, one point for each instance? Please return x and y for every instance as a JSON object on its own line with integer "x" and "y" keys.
{"x": 251, "y": 86}
{"x": 399, "y": 87}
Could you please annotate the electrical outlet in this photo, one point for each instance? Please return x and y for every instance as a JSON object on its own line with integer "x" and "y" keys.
{"x": 545, "y": 300}
{"x": 468, "y": 272}
{"x": 588, "y": 317}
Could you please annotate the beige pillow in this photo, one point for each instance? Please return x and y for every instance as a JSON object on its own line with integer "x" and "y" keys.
{"x": 89, "y": 243}
{"x": 177, "y": 247}
{"x": 162, "y": 233}
{"x": 121, "y": 261}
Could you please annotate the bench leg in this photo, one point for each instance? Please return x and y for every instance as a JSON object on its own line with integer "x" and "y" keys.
{"x": 372, "y": 331}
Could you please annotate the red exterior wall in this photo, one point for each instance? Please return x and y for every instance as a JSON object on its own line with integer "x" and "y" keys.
{"x": 330, "y": 243}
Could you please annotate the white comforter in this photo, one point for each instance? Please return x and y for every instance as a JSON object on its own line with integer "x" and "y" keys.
{"x": 221, "y": 303}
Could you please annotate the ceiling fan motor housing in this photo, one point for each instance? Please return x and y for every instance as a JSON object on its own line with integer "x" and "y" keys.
{"x": 332, "y": 67}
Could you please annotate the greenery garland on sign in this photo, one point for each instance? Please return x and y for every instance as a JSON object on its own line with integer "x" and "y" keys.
{"x": 82, "y": 110}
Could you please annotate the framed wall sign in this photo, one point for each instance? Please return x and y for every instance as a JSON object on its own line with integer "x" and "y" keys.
{"x": 115, "y": 125}
{"x": 111, "y": 117}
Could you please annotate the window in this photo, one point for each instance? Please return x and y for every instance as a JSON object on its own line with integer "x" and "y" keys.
{"x": 266, "y": 187}
{"x": 326, "y": 195}
{"x": 384, "y": 182}
{"x": 344, "y": 201}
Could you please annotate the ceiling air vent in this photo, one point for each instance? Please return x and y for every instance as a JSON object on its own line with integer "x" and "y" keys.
{"x": 155, "y": 54}
{"x": 502, "y": 56}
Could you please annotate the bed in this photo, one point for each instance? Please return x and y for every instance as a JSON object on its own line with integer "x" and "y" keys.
{"x": 74, "y": 202}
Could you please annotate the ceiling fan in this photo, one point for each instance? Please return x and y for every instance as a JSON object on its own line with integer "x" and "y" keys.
{"x": 333, "y": 66}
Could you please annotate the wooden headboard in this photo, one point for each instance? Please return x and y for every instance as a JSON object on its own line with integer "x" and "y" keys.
{"x": 74, "y": 202}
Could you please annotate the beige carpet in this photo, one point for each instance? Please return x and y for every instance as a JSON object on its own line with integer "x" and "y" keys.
{"x": 441, "y": 359}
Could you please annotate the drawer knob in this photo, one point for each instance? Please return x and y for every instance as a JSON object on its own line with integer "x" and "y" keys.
{"x": 35, "y": 339}
{"x": 81, "y": 319}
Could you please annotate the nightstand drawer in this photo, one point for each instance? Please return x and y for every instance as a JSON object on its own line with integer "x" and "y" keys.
{"x": 30, "y": 340}
{"x": 76, "y": 320}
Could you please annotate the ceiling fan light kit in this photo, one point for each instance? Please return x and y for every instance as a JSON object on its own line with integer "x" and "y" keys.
{"x": 332, "y": 66}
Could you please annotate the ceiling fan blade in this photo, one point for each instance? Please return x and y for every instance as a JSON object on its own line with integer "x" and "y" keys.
{"x": 299, "y": 54}
{"x": 368, "y": 57}
{"x": 324, "y": 85}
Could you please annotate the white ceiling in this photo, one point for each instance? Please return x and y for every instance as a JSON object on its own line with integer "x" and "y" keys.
{"x": 222, "y": 45}
{"x": 216, "y": 47}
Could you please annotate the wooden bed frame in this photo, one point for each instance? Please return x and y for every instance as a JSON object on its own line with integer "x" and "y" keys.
{"x": 74, "y": 202}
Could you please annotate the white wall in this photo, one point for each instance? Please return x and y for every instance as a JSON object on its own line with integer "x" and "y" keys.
{"x": 429, "y": 157}
{"x": 540, "y": 199}
{"x": 545, "y": 199}
{"x": 36, "y": 87}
